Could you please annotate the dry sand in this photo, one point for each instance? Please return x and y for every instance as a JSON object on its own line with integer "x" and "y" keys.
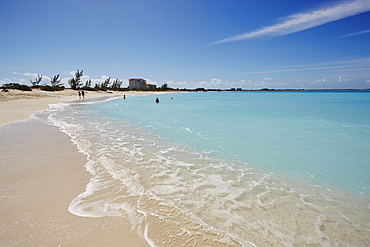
{"x": 41, "y": 172}
{"x": 18, "y": 105}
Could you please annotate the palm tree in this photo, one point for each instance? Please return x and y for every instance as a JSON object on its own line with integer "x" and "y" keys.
{"x": 88, "y": 83}
{"x": 37, "y": 81}
{"x": 116, "y": 84}
{"x": 75, "y": 83}
{"x": 55, "y": 81}
{"x": 106, "y": 83}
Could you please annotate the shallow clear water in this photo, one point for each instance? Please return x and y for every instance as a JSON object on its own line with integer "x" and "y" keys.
{"x": 264, "y": 168}
{"x": 323, "y": 137}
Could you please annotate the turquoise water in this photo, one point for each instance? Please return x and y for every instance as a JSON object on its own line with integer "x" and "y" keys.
{"x": 227, "y": 168}
{"x": 322, "y": 137}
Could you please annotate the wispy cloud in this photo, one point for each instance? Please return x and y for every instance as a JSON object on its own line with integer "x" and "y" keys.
{"x": 293, "y": 70}
{"x": 348, "y": 65}
{"x": 30, "y": 74}
{"x": 303, "y": 21}
{"x": 355, "y": 34}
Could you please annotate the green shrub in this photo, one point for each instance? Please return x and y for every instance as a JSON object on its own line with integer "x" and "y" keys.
{"x": 120, "y": 89}
{"x": 47, "y": 88}
{"x": 89, "y": 89}
{"x": 52, "y": 89}
{"x": 21, "y": 87}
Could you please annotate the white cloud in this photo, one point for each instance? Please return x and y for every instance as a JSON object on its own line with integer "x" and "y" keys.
{"x": 46, "y": 79}
{"x": 347, "y": 65}
{"x": 320, "y": 82}
{"x": 303, "y": 21}
{"x": 293, "y": 70}
{"x": 355, "y": 34}
{"x": 213, "y": 83}
{"x": 179, "y": 84}
{"x": 31, "y": 75}
{"x": 7, "y": 80}
{"x": 365, "y": 61}
{"x": 341, "y": 79}
{"x": 216, "y": 82}
{"x": 267, "y": 78}
{"x": 149, "y": 81}
{"x": 22, "y": 81}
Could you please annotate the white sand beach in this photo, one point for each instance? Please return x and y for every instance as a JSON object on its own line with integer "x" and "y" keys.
{"x": 41, "y": 173}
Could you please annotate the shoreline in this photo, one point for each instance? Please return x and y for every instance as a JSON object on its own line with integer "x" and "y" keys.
{"x": 18, "y": 105}
{"x": 42, "y": 171}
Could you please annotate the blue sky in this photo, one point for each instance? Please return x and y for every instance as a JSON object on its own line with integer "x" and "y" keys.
{"x": 189, "y": 43}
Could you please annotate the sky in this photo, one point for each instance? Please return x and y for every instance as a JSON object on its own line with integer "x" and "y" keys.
{"x": 249, "y": 44}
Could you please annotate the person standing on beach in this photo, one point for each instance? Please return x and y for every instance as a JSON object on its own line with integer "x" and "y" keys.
{"x": 79, "y": 94}
{"x": 83, "y": 94}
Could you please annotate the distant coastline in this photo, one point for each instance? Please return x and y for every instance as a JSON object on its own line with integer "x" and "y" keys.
{"x": 276, "y": 90}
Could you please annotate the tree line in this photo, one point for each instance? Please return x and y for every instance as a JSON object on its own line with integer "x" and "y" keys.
{"x": 55, "y": 84}
{"x": 75, "y": 83}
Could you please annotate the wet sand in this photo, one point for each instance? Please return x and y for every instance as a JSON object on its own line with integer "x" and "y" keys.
{"x": 41, "y": 173}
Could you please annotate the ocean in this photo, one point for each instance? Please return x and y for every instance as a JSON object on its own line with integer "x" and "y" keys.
{"x": 227, "y": 168}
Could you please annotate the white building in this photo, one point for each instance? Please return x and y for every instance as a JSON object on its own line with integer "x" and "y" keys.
{"x": 137, "y": 84}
